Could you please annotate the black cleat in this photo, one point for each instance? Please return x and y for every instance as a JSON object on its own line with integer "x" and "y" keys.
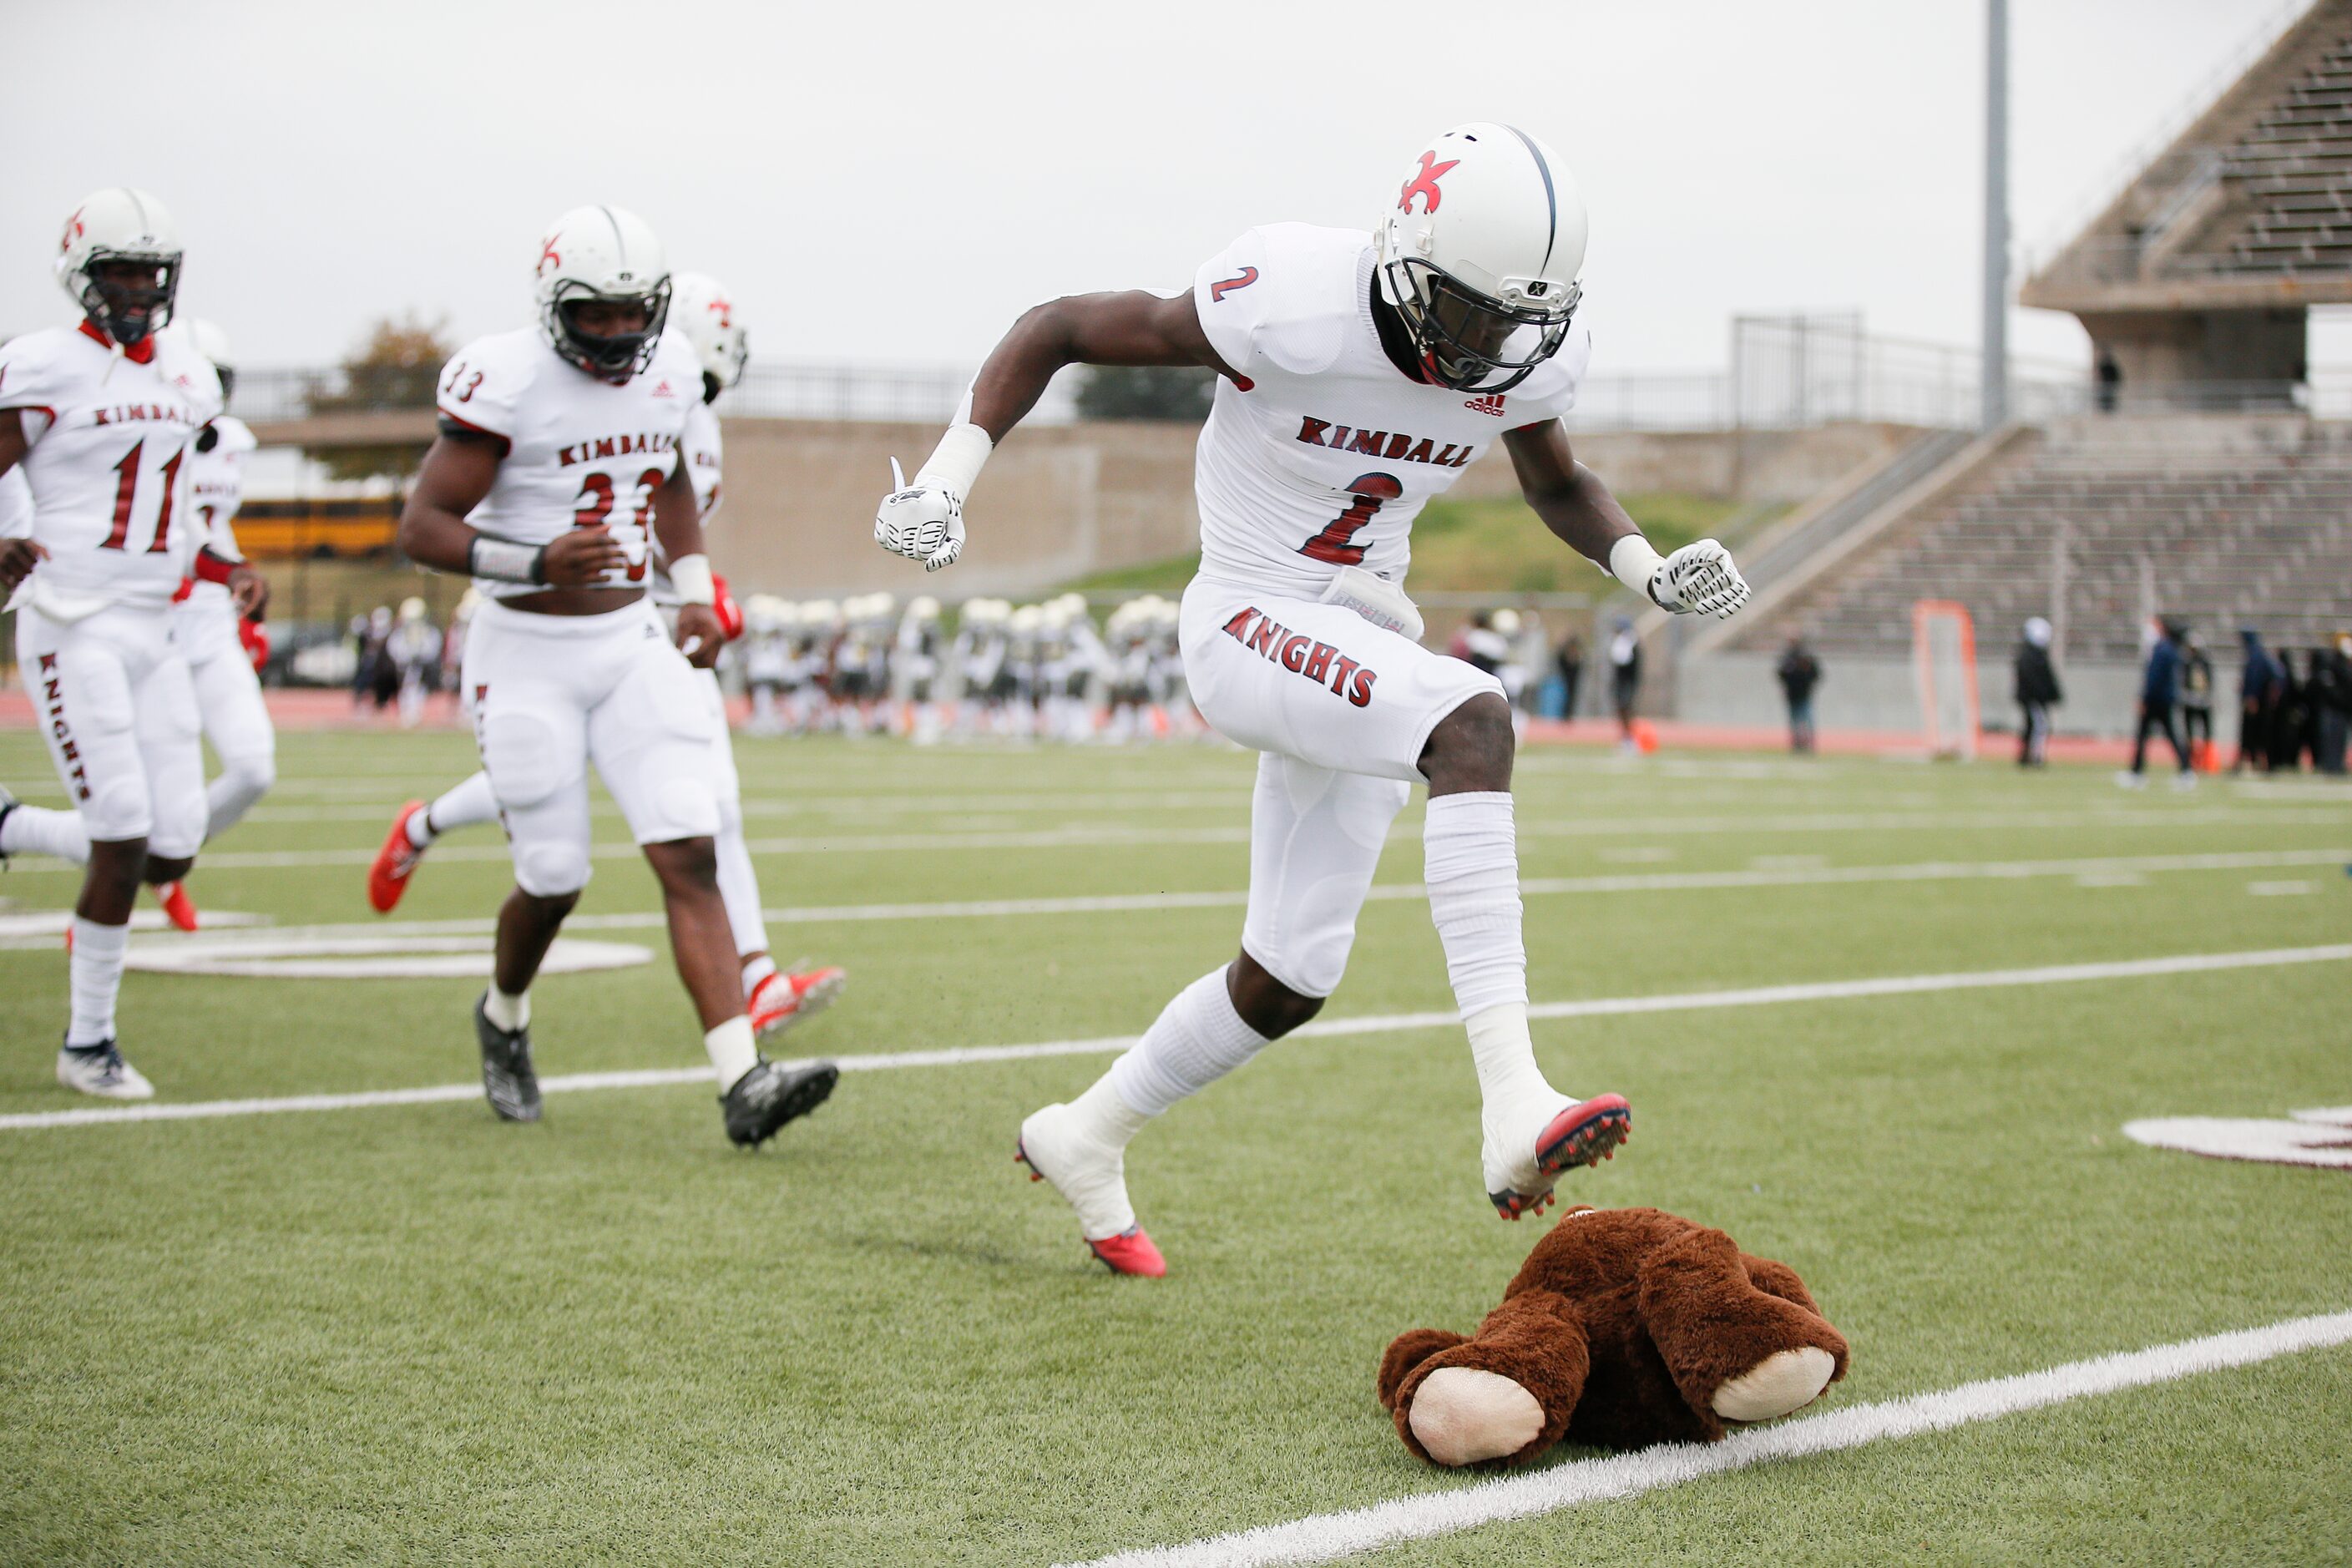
{"x": 771, "y": 1094}
{"x": 507, "y": 1080}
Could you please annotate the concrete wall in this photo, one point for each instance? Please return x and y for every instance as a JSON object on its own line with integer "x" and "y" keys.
{"x": 1883, "y": 694}
{"x": 1060, "y": 502}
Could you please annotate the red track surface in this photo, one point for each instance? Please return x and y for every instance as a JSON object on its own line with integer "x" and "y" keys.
{"x": 308, "y": 710}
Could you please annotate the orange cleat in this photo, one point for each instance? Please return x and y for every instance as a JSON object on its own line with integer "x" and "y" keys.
{"x": 783, "y": 999}
{"x": 178, "y": 908}
{"x": 388, "y": 878}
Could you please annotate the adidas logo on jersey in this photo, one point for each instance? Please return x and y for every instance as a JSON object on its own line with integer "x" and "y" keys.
{"x": 1396, "y": 447}
{"x": 613, "y": 446}
{"x": 1490, "y": 404}
{"x": 662, "y": 388}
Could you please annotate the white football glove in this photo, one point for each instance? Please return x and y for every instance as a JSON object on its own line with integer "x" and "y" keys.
{"x": 1699, "y": 579}
{"x": 921, "y": 522}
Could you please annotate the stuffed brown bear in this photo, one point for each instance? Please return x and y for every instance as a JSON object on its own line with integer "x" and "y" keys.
{"x": 1624, "y": 1327}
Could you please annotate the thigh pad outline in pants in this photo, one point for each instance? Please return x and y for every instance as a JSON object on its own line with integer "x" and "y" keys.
{"x": 652, "y": 740}
{"x": 172, "y": 753}
{"x": 534, "y": 746}
{"x": 1315, "y": 842}
{"x": 81, "y": 688}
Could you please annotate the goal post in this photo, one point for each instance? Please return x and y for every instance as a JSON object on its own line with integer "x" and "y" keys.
{"x": 1944, "y": 655}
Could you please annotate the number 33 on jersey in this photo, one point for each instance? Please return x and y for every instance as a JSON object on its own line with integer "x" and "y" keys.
{"x": 578, "y": 451}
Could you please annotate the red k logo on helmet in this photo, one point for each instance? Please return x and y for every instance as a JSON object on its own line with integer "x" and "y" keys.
{"x": 1424, "y": 184}
{"x": 73, "y": 232}
{"x": 548, "y": 255}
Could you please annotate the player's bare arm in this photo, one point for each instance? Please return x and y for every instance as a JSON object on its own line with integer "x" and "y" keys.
{"x": 458, "y": 473}
{"x": 1574, "y": 503}
{"x": 924, "y": 520}
{"x": 17, "y": 556}
{"x": 678, "y": 529}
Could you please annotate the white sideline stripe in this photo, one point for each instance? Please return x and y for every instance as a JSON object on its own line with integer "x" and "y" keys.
{"x": 1322, "y": 1028}
{"x": 1126, "y": 833}
{"x": 2121, "y": 870}
{"x": 1320, "y": 1538}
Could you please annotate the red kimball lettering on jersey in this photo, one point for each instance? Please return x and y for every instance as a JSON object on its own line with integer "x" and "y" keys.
{"x": 1320, "y": 662}
{"x": 613, "y": 446}
{"x": 53, "y": 709}
{"x": 142, "y": 413}
{"x": 1393, "y": 446}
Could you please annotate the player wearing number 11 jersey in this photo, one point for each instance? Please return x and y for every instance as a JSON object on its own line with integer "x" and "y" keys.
{"x": 1360, "y": 373}
{"x": 98, "y": 419}
{"x": 558, "y": 468}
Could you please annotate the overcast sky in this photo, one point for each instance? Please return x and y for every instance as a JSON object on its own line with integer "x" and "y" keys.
{"x": 894, "y": 182}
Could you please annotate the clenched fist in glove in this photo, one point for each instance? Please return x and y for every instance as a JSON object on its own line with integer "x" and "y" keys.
{"x": 1697, "y": 579}
{"x": 920, "y": 521}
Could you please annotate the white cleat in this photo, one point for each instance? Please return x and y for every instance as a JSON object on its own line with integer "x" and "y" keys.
{"x": 99, "y": 1069}
{"x": 1091, "y": 1176}
{"x": 1526, "y": 1148}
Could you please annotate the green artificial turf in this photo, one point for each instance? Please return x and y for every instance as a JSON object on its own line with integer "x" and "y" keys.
{"x": 414, "y": 1334}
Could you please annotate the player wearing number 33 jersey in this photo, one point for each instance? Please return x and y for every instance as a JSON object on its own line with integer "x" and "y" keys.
{"x": 557, "y": 471}
{"x": 1359, "y": 374}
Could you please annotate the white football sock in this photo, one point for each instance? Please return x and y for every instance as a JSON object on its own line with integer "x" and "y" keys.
{"x": 43, "y": 830}
{"x": 505, "y": 1012}
{"x": 470, "y": 801}
{"x": 243, "y": 781}
{"x": 96, "y": 977}
{"x": 1103, "y": 1115}
{"x": 1197, "y": 1039}
{"x": 1471, "y": 860}
{"x": 755, "y": 970}
{"x": 732, "y": 1050}
{"x": 738, "y": 888}
{"x": 1508, "y": 1076}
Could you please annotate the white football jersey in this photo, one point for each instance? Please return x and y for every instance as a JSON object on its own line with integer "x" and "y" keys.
{"x": 579, "y": 451}
{"x": 15, "y": 506}
{"x": 215, "y": 491}
{"x": 109, "y": 445}
{"x": 703, "y": 455}
{"x": 1323, "y": 451}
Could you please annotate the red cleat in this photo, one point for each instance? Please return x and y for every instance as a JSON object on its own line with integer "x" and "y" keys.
{"x": 782, "y": 1000}
{"x": 1131, "y": 1252}
{"x": 1584, "y": 1133}
{"x": 178, "y": 908}
{"x": 388, "y": 878}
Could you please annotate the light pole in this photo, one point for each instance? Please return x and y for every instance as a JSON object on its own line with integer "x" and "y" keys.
{"x": 1995, "y": 376}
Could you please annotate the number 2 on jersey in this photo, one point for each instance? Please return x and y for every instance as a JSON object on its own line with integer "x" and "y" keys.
{"x": 1335, "y": 543}
{"x": 126, "y": 494}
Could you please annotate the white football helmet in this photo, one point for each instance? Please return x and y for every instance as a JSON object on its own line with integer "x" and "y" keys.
{"x": 606, "y": 255}
{"x": 705, "y": 314}
{"x": 1480, "y": 255}
{"x": 113, "y": 226}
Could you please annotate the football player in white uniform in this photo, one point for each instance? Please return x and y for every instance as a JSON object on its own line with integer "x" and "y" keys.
{"x": 559, "y": 471}
{"x": 99, "y": 418}
{"x": 775, "y": 1000}
{"x": 214, "y": 639}
{"x": 1360, "y": 373}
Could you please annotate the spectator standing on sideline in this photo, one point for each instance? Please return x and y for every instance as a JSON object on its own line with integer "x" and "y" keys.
{"x": 2111, "y": 380}
{"x": 2037, "y": 693}
{"x": 1624, "y": 679}
{"x": 2196, "y": 696}
{"x": 2290, "y": 719}
{"x": 2159, "y": 694}
{"x": 1570, "y": 661}
{"x": 2329, "y": 692}
{"x": 2258, "y": 700}
{"x": 1799, "y": 672}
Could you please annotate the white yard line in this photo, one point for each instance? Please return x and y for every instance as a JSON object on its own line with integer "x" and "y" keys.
{"x": 1376, "y": 1024}
{"x": 40, "y": 930}
{"x": 1125, "y": 833}
{"x": 1321, "y": 1538}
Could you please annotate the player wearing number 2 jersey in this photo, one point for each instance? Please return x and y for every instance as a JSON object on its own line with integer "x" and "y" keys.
{"x": 1362, "y": 372}
{"x": 556, "y": 471}
{"x": 98, "y": 419}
